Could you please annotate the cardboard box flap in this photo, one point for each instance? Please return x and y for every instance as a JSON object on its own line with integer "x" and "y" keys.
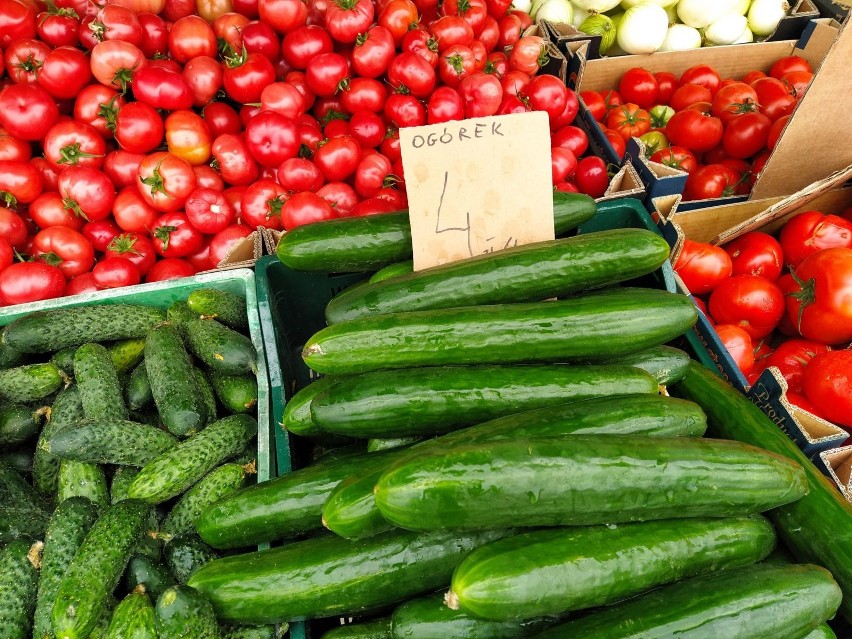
{"x": 270, "y": 240}
{"x": 244, "y": 253}
{"x": 785, "y": 206}
{"x": 625, "y": 183}
{"x": 838, "y": 462}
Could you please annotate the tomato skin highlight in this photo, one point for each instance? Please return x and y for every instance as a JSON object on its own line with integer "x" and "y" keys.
{"x": 702, "y": 266}
{"x": 812, "y": 231}
{"x": 827, "y": 383}
{"x": 818, "y": 299}
{"x": 738, "y": 344}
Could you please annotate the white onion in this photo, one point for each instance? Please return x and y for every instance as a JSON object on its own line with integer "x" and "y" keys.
{"x": 726, "y": 29}
{"x": 580, "y": 15}
{"x": 663, "y": 3}
{"x": 671, "y": 12}
{"x": 522, "y": 5}
{"x": 555, "y": 11}
{"x": 681, "y": 37}
{"x": 703, "y": 13}
{"x": 764, "y": 15}
{"x": 745, "y": 37}
{"x": 741, "y": 7}
{"x": 603, "y": 26}
{"x": 596, "y": 5}
{"x": 642, "y": 29}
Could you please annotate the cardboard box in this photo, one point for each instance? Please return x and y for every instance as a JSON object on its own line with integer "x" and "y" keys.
{"x": 838, "y": 463}
{"x": 836, "y": 9}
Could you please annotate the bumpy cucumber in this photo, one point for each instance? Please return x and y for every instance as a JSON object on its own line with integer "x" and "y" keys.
{"x": 18, "y": 424}
{"x": 18, "y": 522}
{"x": 217, "y": 484}
{"x": 175, "y": 470}
{"x": 207, "y": 394}
{"x": 111, "y": 441}
{"x": 96, "y": 569}
{"x": 600, "y": 325}
{"x": 666, "y": 364}
{"x": 238, "y": 393}
{"x": 583, "y": 480}
{"x": 30, "y": 382}
{"x": 378, "y": 629}
{"x": 18, "y": 584}
{"x": 431, "y": 401}
{"x": 221, "y": 348}
{"x": 127, "y": 354}
{"x": 48, "y": 331}
{"x": 552, "y": 571}
{"x": 756, "y": 602}
{"x": 179, "y": 313}
{"x": 185, "y": 554}
{"x": 228, "y": 308}
{"x": 19, "y": 460}
{"x": 297, "y": 412}
{"x": 133, "y": 618}
{"x": 121, "y": 480}
{"x": 9, "y": 356}
{"x": 15, "y": 490}
{"x": 66, "y": 411}
{"x": 183, "y": 612}
{"x": 64, "y": 360}
{"x": 173, "y": 383}
{"x": 392, "y": 270}
{"x": 254, "y": 632}
{"x": 138, "y": 389}
{"x": 378, "y": 445}
{"x": 327, "y": 576}
{"x": 82, "y": 479}
{"x": 152, "y": 575}
{"x": 97, "y": 383}
{"x": 68, "y": 527}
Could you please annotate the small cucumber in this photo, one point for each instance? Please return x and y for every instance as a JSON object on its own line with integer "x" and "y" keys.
{"x": 19, "y": 522}
{"x": 111, "y": 441}
{"x": 378, "y": 445}
{"x": 666, "y": 364}
{"x": 221, "y": 348}
{"x": 99, "y": 631}
{"x": 96, "y": 569}
{"x": 64, "y": 360}
{"x": 297, "y": 412}
{"x": 378, "y": 629}
{"x": 16, "y": 490}
{"x": 133, "y": 617}
{"x": 238, "y": 393}
{"x": 137, "y": 393}
{"x": 66, "y": 411}
{"x": 217, "y": 484}
{"x": 18, "y": 424}
{"x": 127, "y": 354}
{"x": 30, "y": 382}
{"x": 185, "y": 554}
{"x": 68, "y": 527}
{"x": 53, "y": 330}
{"x": 183, "y": 612}
{"x": 81, "y": 479}
{"x": 146, "y": 572}
{"x": 207, "y": 394}
{"x": 175, "y": 470}
{"x": 392, "y": 270}
{"x": 228, "y": 308}
{"x": 254, "y": 632}
{"x": 121, "y": 480}
{"x": 179, "y": 313}
{"x": 19, "y": 460}
{"x": 173, "y": 383}
{"x": 9, "y": 356}
{"x": 19, "y": 562}
{"x": 97, "y": 383}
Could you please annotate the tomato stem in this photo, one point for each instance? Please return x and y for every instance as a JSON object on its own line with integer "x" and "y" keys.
{"x": 164, "y": 233}
{"x": 72, "y": 153}
{"x": 806, "y": 296}
{"x": 71, "y": 205}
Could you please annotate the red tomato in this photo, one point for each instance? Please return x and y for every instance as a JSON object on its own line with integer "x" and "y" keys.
{"x": 48, "y": 210}
{"x": 115, "y": 272}
{"x": 100, "y": 233}
{"x": 818, "y": 301}
{"x": 451, "y": 30}
{"x": 132, "y": 213}
{"x": 84, "y": 283}
{"x": 710, "y": 182}
{"x": 773, "y": 97}
{"x": 702, "y": 267}
{"x": 155, "y": 35}
{"x": 134, "y": 247}
{"x": 572, "y": 138}
{"x": 547, "y": 93}
{"x": 338, "y": 158}
{"x": 421, "y": 42}
{"x": 827, "y": 383}
{"x": 225, "y": 240}
{"x": 738, "y": 344}
{"x": 733, "y": 100}
{"x": 595, "y": 103}
{"x": 64, "y": 73}
{"x": 170, "y": 269}
{"x": 17, "y": 21}
{"x": 30, "y": 282}
{"x": 70, "y": 142}
{"x": 676, "y": 157}
{"x": 373, "y": 52}
{"x": 591, "y": 176}
{"x": 13, "y": 229}
{"x": 481, "y": 94}
{"x": 792, "y": 358}
{"x": 113, "y": 63}
{"x": 188, "y": 137}
{"x": 221, "y": 119}
{"x": 262, "y": 203}
{"x": 165, "y": 181}
{"x": 639, "y": 86}
{"x": 175, "y": 236}
{"x": 756, "y": 253}
{"x": 138, "y": 127}
{"x": 563, "y": 164}
{"x": 7, "y": 254}
{"x": 236, "y": 163}
{"x": 299, "y": 174}
{"x": 775, "y": 131}
{"x": 87, "y": 192}
{"x": 753, "y": 303}
{"x": 162, "y": 88}
{"x": 27, "y": 111}
{"x": 789, "y": 64}
{"x": 812, "y": 231}
{"x": 746, "y": 135}
{"x": 340, "y": 196}
{"x": 629, "y": 121}
{"x": 619, "y": 145}
{"x": 688, "y": 94}
{"x": 247, "y": 75}
{"x": 98, "y": 106}
{"x": 65, "y": 248}
{"x": 346, "y": 20}
{"x": 410, "y": 73}
{"x": 271, "y": 138}
{"x": 694, "y": 131}
{"x": 704, "y": 75}
{"x": 800, "y": 401}
{"x": 306, "y": 208}
{"x": 528, "y": 55}
{"x": 667, "y": 82}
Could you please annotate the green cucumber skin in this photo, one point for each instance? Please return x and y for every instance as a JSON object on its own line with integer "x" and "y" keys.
{"x": 111, "y": 441}
{"x": 133, "y": 618}
{"x": 9, "y": 356}
{"x": 351, "y": 511}
{"x": 148, "y": 573}
{"x": 16, "y": 490}
{"x": 370, "y": 242}
{"x": 219, "y": 483}
{"x": 97, "y": 383}
{"x": 19, "y": 460}
{"x": 66, "y": 411}
{"x": 121, "y": 480}
{"x": 138, "y": 390}
{"x": 378, "y": 629}
{"x": 126, "y": 355}
{"x": 172, "y": 472}
{"x": 238, "y": 393}
{"x": 755, "y": 602}
{"x": 434, "y": 401}
{"x": 66, "y": 531}
{"x": 254, "y": 632}
{"x": 666, "y": 364}
{"x": 183, "y": 612}
{"x": 603, "y": 324}
{"x": 327, "y": 576}
{"x": 49, "y": 331}
{"x": 378, "y": 445}
{"x": 527, "y": 273}
{"x": 179, "y": 314}
{"x": 18, "y": 586}
{"x": 392, "y": 270}
{"x": 585, "y": 480}
{"x": 30, "y": 382}
{"x": 19, "y": 522}
{"x": 82, "y": 479}
{"x": 18, "y": 425}
{"x": 430, "y": 618}
{"x": 173, "y": 383}
{"x": 185, "y": 554}
{"x": 823, "y": 631}
{"x": 297, "y": 412}
{"x": 283, "y": 507}
{"x": 207, "y": 394}
{"x": 228, "y": 308}
{"x": 221, "y": 348}
{"x": 64, "y": 360}
{"x": 553, "y": 571}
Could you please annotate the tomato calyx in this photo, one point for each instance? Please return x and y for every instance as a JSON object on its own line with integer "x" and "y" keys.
{"x": 122, "y": 244}
{"x": 9, "y": 200}
{"x": 333, "y": 115}
{"x": 275, "y": 205}
{"x": 53, "y": 10}
{"x": 237, "y": 59}
{"x": 346, "y": 5}
{"x": 739, "y": 108}
{"x": 98, "y": 30}
{"x": 224, "y": 48}
{"x": 305, "y": 152}
{"x": 29, "y": 65}
{"x": 122, "y": 78}
{"x": 71, "y": 205}
{"x": 543, "y": 57}
{"x": 164, "y": 234}
{"x": 155, "y": 181}
{"x": 50, "y": 258}
{"x": 72, "y": 154}
{"x": 390, "y": 181}
{"x": 109, "y": 112}
{"x": 632, "y": 118}
{"x": 806, "y": 296}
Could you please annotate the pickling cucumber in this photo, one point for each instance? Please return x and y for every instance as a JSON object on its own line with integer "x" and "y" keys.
{"x": 183, "y": 612}
{"x": 219, "y": 483}
{"x": 221, "y": 348}
{"x": 254, "y": 632}
{"x": 238, "y": 393}
{"x": 97, "y": 383}
{"x": 145, "y": 571}
{"x": 19, "y": 562}
{"x": 185, "y": 554}
{"x": 133, "y": 617}
{"x": 377, "y": 629}
{"x": 137, "y": 392}
{"x": 18, "y": 424}
{"x": 82, "y": 479}
{"x": 30, "y": 382}
{"x": 111, "y": 441}
{"x": 66, "y": 411}
{"x": 207, "y": 394}
{"x": 121, "y": 480}
{"x": 126, "y": 354}
{"x": 228, "y": 308}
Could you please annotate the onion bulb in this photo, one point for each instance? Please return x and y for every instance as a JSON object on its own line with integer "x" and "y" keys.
{"x": 522, "y": 5}
{"x": 764, "y": 16}
{"x": 665, "y": 4}
{"x": 681, "y": 37}
{"x": 580, "y": 16}
{"x": 642, "y": 29}
{"x": 741, "y": 7}
{"x": 603, "y": 26}
{"x": 703, "y": 13}
{"x": 598, "y": 6}
{"x": 555, "y": 11}
{"x": 726, "y": 29}
{"x": 745, "y": 37}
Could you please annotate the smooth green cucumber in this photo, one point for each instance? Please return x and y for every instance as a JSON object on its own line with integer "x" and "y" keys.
{"x": 121, "y": 480}
{"x": 111, "y": 441}
{"x": 152, "y": 575}
{"x": 137, "y": 392}
{"x": 18, "y": 424}
{"x": 351, "y": 511}
{"x": 437, "y": 400}
{"x": 238, "y": 393}
{"x": 553, "y": 571}
{"x": 526, "y": 273}
{"x": 221, "y": 348}
{"x": 82, "y": 479}
{"x": 431, "y": 618}
{"x": 173, "y": 383}
{"x": 219, "y": 483}
{"x": 370, "y": 242}
{"x": 297, "y": 412}
{"x": 185, "y": 554}
{"x": 183, "y": 612}
{"x": 228, "y": 308}
{"x": 133, "y": 618}
{"x": 327, "y": 576}
{"x": 68, "y": 527}
{"x": 53, "y": 330}
{"x": 601, "y": 325}
{"x": 97, "y": 383}
{"x": 127, "y": 354}
{"x": 30, "y": 382}
{"x": 392, "y": 270}
{"x": 666, "y": 364}
{"x": 172, "y": 472}
{"x": 378, "y": 629}
{"x": 584, "y": 480}
{"x": 66, "y": 411}
{"x": 375, "y": 445}
{"x": 755, "y": 602}
{"x": 283, "y": 507}
{"x": 268, "y": 631}
{"x": 818, "y": 527}
{"x": 96, "y": 569}
{"x": 19, "y": 563}
{"x": 207, "y": 394}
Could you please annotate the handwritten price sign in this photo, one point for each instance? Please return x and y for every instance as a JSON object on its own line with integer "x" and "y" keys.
{"x": 477, "y": 186}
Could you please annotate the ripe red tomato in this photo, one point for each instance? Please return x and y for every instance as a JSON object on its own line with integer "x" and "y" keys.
{"x": 175, "y": 236}
{"x": 594, "y": 102}
{"x": 710, "y": 182}
{"x": 639, "y": 86}
{"x": 733, "y": 100}
{"x": 262, "y": 203}
{"x": 688, "y": 94}
{"x": 64, "y": 248}
{"x": 792, "y": 357}
{"x": 591, "y": 176}
{"x": 27, "y": 111}
{"x": 165, "y": 181}
{"x": 789, "y": 64}
{"x": 702, "y": 74}
{"x": 746, "y": 135}
{"x": 209, "y": 211}
{"x": 756, "y": 253}
{"x": 338, "y": 158}
{"x": 528, "y": 55}
{"x": 69, "y": 142}
{"x": 236, "y": 163}
{"x": 138, "y": 127}
{"x": 134, "y": 247}
{"x": 628, "y": 120}
{"x": 667, "y": 82}
{"x": 346, "y": 20}
{"x": 30, "y": 282}
{"x": 738, "y": 343}
{"x": 827, "y": 383}
{"x": 299, "y": 174}
{"x": 246, "y": 76}
{"x": 373, "y": 52}
{"x": 563, "y": 164}
{"x": 100, "y": 233}
{"x": 170, "y": 269}
{"x": 224, "y": 241}
{"x": 18, "y": 22}
{"x": 694, "y": 130}
{"x": 753, "y": 303}
{"x": 676, "y": 157}
{"x": 7, "y": 254}
{"x": 13, "y": 229}
{"x": 305, "y": 208}
{"x": 87, "y": 192}
{"x": 818, "y": 303}
{"x": 20, "y": 183}
{"x": 773, "y": 97}
{"x": 48, "y": 210}
{"x": 702, "y": 266}
{"x": 812, "y": 231}
{"x": 115, "y": 272}
{"x": 340, "y": 196}
{"x": 481, "y": 94}
{"x": 113, "y": 62}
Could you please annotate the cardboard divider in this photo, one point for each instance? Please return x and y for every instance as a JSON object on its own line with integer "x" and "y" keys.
{"x": 838, "y": 463}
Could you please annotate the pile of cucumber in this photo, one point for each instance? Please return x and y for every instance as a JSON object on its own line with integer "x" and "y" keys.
{"x": 119, "y": 424}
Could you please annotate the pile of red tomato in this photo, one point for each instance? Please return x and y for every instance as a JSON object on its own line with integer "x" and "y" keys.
{"x": 719, "y": 131}
{"x": 784, "y": 302}
{"x": 142, "y": 138}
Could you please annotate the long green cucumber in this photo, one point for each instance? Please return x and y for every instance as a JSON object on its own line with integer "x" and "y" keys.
{"x": 818, "y": 527}
{"x": 377, "y": 629}
{"x": 18, "y": 584}
{"x": 279, "y": 508}
{"x": 431, "y": 618}
{"x": 527, "y": 273}
{"x": 328, "y": 576}
{"x": 378, "y": 445}
{"x": 18, "y": 424}
{"x": 392, "y": 270}
{"x": 228, "y": 308}
{"x": 30, "y": 382}
{"x": 97, "y": 383}
{"x": 755, "y": 602}
{"x": 437, "y": 400}
{"x": 351, "y": 511}
{"x": 53, "y": 330}
{"x": 221, "y": 348}
{"x": 82, "y": 479}
{"x": 666, "y": 364}
{"x": 66, "y": 531}
{"x": 66, "y": 411}
{"x": 297, "y": 412}
{"x": 370, "y": 242}
{"x": 553, "y": 571}
{"x": 185, "y": 554}
{"x": 183, "y": 612}
{"x": 111, "y": 441}
{"x": 175, "y": 470}
{"x": 583, "y": 480}
{"x": 133, "y": 618}
{"x": 823, "y": 631}
{"x": 219, "y": 483}
{"x": 96, "y": 569}
{"x": 594, "y": 325}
